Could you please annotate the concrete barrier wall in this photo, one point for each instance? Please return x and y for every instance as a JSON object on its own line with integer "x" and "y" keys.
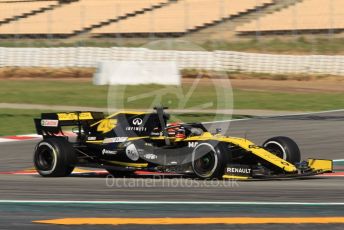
{"x": 217, "y": 60}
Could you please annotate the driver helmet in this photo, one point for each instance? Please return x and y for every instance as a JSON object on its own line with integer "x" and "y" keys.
{"x": 180, "y": 133}
{"x": 176, "y": 130}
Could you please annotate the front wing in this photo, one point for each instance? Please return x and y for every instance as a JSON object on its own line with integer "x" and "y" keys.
{"x": 311, "y": 167}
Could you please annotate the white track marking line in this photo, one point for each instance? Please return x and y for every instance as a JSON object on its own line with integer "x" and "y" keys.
{"x": 5, "y": 140}
{"x": 310, "y": 113}
{"x": 331, "y": 175}
{"x": 338, "y": 160}
{"x": 30, "y": 135}
{"x": 292, "y": 114}
{"x": 170, "y": 202}
{"x": 214, "y": 122}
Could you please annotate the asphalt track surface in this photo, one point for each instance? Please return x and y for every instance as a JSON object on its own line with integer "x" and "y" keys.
{"x": 318, "y": 135}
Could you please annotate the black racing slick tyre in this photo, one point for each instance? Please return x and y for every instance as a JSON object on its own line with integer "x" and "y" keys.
{"x": 209, "y": 161}
{"x": 284, "y": 148}
{"x": 54, "y": 157}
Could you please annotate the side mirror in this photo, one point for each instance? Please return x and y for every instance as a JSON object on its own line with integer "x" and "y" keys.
{"x": 160, "y": 107}
{"x": 76, "y": 130}
{"x": 218, "y": 131}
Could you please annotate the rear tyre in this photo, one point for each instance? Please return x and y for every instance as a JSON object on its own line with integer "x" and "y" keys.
{"x": 54, "y": 157}
{"x": 284, "y": 148}
{"x": 209, "y": 161}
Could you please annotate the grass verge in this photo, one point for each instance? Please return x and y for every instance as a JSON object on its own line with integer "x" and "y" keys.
{"x": 17, "y": 121}
{"x": 296, "y": 45}
{"x": 84, "y": 74}
{"x": 75, "y": 93}
{"x": 83, "y": 93}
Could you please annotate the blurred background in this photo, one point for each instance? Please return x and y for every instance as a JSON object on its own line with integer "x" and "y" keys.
{"x": 241, "y": 57}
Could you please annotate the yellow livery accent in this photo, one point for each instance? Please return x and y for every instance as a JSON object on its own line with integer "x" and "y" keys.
{"x": 74, "y": 116}
{"x": 129, "y": 164}
{"x": 205, "y": 136}
{"x": 115, "y": 114}
{"x": 95, "y": 142}
{"x": 137, "y": 138}
{"x": 107, "y": 125}
{"x": 170, "y": 221}
{"x": 260, "y": 152}
{"x": 323, "y": 165}
{"x": 249, "y": 146}
{"x": 235, "y": 177}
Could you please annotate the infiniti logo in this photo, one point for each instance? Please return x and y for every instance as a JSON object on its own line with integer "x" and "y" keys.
{"x": 137, "y": 121}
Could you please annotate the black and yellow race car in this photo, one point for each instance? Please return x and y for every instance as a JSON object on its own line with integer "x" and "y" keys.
{"x": 128, "y": 141}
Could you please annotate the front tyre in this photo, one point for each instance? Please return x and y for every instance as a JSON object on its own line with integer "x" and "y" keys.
{"x": 54, "y": 157}
{"x": 208, "y": 161}
{"x": 284, "y": 148}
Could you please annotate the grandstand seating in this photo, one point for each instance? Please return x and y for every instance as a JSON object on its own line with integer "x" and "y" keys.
{"x": 181, "y": 16}
{"x": 14, "y": 9}
{"x": 76, "y": 15}
{"x": 308, "y": 15}
{"x": 132, "y": 17}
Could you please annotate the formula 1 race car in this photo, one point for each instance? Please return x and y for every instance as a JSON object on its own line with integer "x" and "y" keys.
{"x": 128, "y": 141}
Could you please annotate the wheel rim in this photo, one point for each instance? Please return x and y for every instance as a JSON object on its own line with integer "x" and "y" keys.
{"x": 206, "y": 165}
{"x": 277, "y": 149}
{"x": 45, "y": 159}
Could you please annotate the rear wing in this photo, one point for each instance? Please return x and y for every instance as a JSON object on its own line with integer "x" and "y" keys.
{"x": 50, "y": 124}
